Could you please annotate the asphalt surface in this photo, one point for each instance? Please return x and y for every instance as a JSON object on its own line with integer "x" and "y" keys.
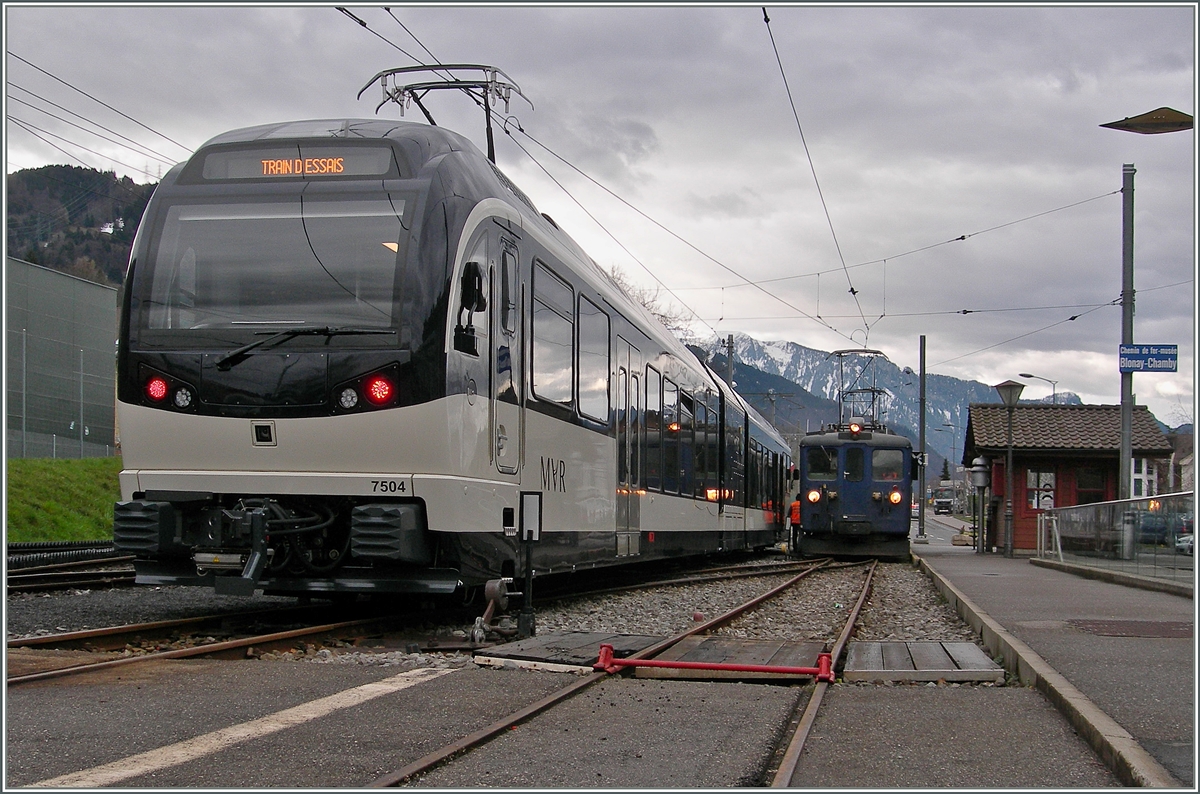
{"x": 623, "y": 733}
{"x": 1146, "y": 684}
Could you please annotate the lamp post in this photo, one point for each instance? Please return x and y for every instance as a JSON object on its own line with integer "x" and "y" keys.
{"x": 1010, "y": 392}
{"x": 1154, "y": 122}
{"x": 1053, "y": 386}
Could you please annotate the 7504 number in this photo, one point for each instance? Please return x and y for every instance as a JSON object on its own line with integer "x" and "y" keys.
{"x": 389, "y": 486}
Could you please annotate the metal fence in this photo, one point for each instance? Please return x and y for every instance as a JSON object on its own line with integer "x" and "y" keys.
{"x": 51, "y": 445}
{"x": 1152, "y": 536}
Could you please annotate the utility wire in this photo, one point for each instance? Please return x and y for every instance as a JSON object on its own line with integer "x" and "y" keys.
{"x": 382, "y": 38}
{"x": 26, "y": 126}
{"x": 812, "y": 167}
{"x": 886, "y": 259}
{"x": 817, "y": 319}
{"x": 102, "y": 102}
{"x": 90, "y": 132}
{"x": 1029, "y": 333}
{"x": 147, "y": 149}
{"x": 606, "y": 231}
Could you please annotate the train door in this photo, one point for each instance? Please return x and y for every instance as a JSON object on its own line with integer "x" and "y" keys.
{"x": 629, "y": 447}
{"x": 508, "y": 419}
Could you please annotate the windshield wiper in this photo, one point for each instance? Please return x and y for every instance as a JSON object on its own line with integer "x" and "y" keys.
{"x": 235, "y": 357}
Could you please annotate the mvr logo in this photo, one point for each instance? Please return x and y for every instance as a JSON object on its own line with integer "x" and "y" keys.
{"x": 554, "y": 475}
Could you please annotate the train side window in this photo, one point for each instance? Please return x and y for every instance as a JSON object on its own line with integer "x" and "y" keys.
{"x": 822, "y": 463}
{"x": 593, "y": 361}
{"x": 635, "y": 423}
{"x": 508, "y": 289}
{"x": 887, "y": 464}
{"x": 687, "y": 463}
{"x": 854, "y": 464}
{"x": 670, "y": 419}
{"x": 553, "y": 337}
{"x": 701, "y": 447}
{"x": 653, "y": 429}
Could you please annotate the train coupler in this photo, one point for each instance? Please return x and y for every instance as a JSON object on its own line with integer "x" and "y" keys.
{"x": 256, "y": 563}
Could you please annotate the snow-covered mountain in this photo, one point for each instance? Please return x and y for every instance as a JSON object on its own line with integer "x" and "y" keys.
{"x": 816, "y": 371}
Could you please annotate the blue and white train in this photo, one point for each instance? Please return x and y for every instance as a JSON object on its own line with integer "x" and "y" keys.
{"x": 355, "y": 358}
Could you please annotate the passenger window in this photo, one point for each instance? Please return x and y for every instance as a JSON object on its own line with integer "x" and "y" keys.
{"x": 508, "y": 290}
{"x": 593, "y": 361}
{"x": 822, "y": 463}
{"x": 887, "y": 464}
{"x": 670, "y": 437}
{"x": 653, "y": 428}
{"x": 553, "y": 338}
{"x": 854, "y": 464}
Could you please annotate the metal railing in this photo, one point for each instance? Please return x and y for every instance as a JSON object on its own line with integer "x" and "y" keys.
{"x": 1150, "y": 536}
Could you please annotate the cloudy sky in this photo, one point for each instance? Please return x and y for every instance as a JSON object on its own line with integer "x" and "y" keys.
{"x": 931, "y": 159}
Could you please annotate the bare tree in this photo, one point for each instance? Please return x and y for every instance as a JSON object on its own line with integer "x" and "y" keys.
{"x": 675, "y": 318}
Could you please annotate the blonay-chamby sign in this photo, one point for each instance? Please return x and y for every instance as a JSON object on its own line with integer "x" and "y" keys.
{"x": 1149, "y": 358}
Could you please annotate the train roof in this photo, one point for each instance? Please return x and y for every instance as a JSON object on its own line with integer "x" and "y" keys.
{"x": 871, "y": 438}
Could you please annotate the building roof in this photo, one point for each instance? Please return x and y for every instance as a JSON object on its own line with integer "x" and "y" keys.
{"x": 1047, "y": 428}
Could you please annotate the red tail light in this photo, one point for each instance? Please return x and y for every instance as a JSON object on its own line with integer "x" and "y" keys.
{"x": 156, "y": 389}
{"x": 378, "y": 390}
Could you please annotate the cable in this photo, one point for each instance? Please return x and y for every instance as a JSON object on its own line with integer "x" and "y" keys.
{"x": 94, "y": 99}
{"x": 25, "y": 125}
{"x": 606, "y": 231}
{"x": 885, "y": 259}
{"x": 380, "y": 37}
{"x": 712, "y": 259}
{"x": 1030, "y": 333}
{"x": 89, "y": 121}
{"x": 812, "y": 167}
{"x": 89, "y": 132}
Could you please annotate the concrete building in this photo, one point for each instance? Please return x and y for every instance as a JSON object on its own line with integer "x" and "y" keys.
{"x": 60, "y": 364}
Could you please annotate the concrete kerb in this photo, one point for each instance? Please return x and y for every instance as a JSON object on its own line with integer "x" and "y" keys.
{"x": 1119, "y": 577}
{"x": 1128, "y": 760}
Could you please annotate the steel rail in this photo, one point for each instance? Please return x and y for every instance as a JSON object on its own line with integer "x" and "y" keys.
{"x": 791, "y": 756}
{"x": 68, "y": 579}
{"x": 197, "y": 650}
{"x": 463, "y": 745}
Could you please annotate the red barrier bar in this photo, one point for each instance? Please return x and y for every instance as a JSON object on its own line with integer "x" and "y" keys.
{"x": 823, "y": 671}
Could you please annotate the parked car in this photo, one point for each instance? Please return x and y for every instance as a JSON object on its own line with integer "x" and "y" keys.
{"x": 1185, "y": 544}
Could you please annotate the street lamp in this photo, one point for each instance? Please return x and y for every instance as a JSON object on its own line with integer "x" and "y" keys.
{"x": 1010, "y": 392}
{"x": 1154, "y": 122}
{"x": 1053, "y": 385}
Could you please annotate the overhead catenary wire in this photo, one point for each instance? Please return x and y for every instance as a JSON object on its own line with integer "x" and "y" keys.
{"x": 31, "y": 130}
{"x": 145, "y": 150}
{"x": 100, "y": 101}
{"x": 884, "y": 260}
{"x": 92, "y": 132}
{"x": 606, "y": 230}
{"x": 818, "y": 319}
{"x": 812, "y": 167}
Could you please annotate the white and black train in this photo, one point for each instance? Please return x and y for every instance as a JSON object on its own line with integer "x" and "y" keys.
{"x": 354, "y": 358}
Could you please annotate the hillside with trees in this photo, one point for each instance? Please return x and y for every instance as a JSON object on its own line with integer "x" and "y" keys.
{"x": 77, "y": 220}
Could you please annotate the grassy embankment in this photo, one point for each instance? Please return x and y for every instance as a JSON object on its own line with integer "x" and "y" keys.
{"x": 61, "y": 499}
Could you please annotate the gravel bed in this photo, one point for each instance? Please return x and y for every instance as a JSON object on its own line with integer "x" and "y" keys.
{"x": 903, "y": 606}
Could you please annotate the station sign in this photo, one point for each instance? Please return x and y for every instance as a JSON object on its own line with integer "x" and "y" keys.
{"x": 1149, "y": 358}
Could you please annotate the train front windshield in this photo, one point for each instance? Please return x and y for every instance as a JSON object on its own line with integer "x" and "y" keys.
{"x": 277, "y": 262}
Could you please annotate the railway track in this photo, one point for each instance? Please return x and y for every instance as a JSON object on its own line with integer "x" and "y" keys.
{"x": 71, "y": 653}
{"x": 237, "y": 635}
{"x": 464, "y": 745}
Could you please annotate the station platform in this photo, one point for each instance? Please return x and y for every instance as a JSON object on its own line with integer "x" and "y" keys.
{"x": 1117, "y": 660}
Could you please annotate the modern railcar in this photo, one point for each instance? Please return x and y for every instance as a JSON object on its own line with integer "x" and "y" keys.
{"x": 354, "y": 358}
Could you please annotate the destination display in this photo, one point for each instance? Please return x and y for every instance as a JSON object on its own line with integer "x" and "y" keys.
{"x": 302, "y": 162}
{"x": 1149, "y": 358}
